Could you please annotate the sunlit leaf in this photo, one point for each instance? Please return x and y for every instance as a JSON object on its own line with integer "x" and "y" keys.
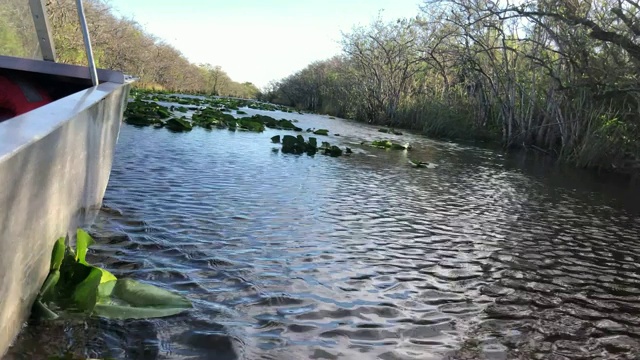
{"x": 80, "y": 286}
{"x": 57, "y": 255}
{"x": 106, "y": 276}
{"x": 106, "y": 288}
{"x": 130, "y": 299}
{"x": 83, "y": 241}
{"x": 128, "y": 312}
{"x": 85, "y": 294}
{"x": 140, "y": 294}
{"x": 41, "y": 311}
{"x": 47, "y": 290}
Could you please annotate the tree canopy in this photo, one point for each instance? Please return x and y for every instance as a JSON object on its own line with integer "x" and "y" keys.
{"x": 557, "y": 76}
{"x": 119, "y": 44}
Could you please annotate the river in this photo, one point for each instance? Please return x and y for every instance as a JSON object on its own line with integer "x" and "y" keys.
{"x": 480, "y": 255}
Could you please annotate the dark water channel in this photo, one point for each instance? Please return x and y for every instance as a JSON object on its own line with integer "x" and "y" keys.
{"x": 481, "y": 255}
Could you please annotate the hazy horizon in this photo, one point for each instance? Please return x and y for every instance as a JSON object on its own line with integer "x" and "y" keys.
{"x": 258, "y": 41}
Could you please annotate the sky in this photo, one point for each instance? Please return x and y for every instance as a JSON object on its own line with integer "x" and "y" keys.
{"x": 255, "y": 40}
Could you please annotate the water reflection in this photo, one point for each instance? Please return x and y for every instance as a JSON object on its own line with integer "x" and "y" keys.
{"x": 294, "y": 257}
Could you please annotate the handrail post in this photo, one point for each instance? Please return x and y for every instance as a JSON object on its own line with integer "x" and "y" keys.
{"x": 41, "y": 23}
{"x": 87, "y": 43}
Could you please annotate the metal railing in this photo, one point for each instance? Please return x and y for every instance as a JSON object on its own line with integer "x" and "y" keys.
{"x": 47, "y": 47}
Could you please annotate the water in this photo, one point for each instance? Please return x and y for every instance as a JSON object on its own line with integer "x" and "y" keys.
{"x": 481, "y": 255}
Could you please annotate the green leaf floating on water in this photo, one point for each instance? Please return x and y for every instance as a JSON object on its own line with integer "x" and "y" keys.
{"x": 74, "y": 285}
{"x": 130, "y": 299}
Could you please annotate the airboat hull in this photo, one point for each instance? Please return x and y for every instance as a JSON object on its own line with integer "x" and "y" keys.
{"x": 55, "y": 163}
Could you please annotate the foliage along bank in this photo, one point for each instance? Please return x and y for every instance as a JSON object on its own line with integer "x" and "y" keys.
{"x": 556, "y": 77}
{"x": 119, "y": 44}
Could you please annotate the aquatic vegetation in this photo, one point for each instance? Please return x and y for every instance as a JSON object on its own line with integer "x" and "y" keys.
{"x": 272, "y": 123}
{"x": 74, "y": 286}
{"x": 145, "y": 113}
{"x": 387, "y": 144}
{"x": 210, "y": 117}
{"x": 275, "y": 139}
{"x": 249, "y": 124}
{"x": 382, "y": 143}
{"x": 333, "y": 151}
{"x": 178, "y": 124}
{"x": 297, "y": 145}
{"x": 268, "y": 107}
{"x": 324, "y": 132}
{"x": 220, "y": 103}
{"x": 418, "y": 164}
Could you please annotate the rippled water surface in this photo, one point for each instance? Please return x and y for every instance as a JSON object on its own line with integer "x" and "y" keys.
{"x": 362, "y": 257}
